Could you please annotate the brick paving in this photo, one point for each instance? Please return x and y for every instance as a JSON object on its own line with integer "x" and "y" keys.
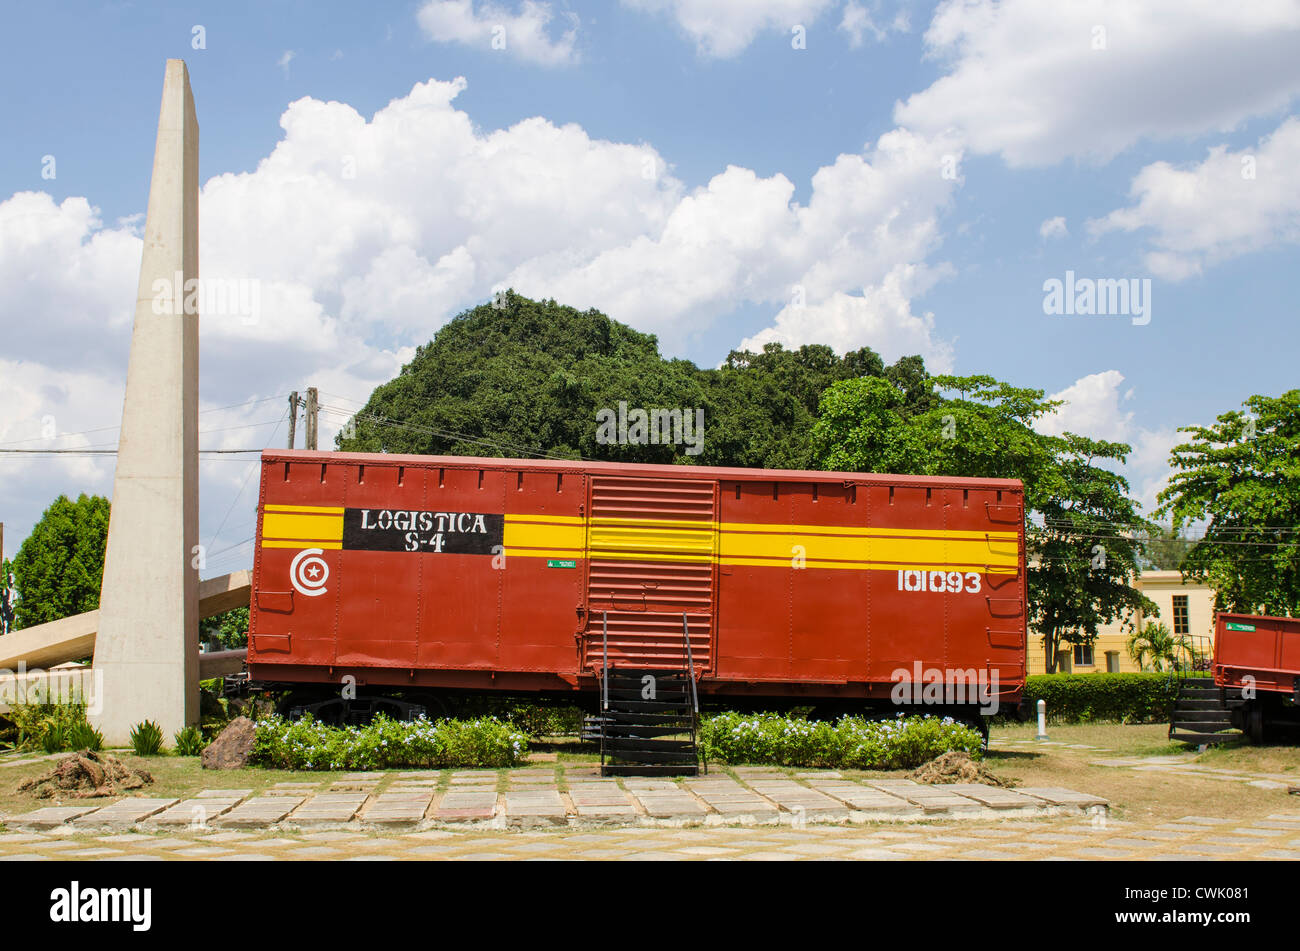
{"x": 755, "y": 814}
{"x": 524, "y": 799}
{"x": 1004, "y": 840}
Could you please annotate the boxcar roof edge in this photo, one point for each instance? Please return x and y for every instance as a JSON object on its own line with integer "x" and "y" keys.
{"x": 632, "y": 468}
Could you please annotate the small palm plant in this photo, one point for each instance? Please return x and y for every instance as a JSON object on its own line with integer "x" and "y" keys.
{"x": 147, "y": 738}
{"x": 1154, "y": 648}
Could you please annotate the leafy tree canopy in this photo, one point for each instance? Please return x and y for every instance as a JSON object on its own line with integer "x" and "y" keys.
{"x": 227, "y": 630}
{"x": 1241, "y": 477}
{"x": 60, "y": 566}
{"x": 519, "y": 377}
{"x": 1165, "y": 548}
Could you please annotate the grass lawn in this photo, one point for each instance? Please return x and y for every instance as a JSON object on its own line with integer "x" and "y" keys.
{"x": 1149, "y": 796}
{"x": 174, "y": 777}
{"x": 1135, "y": 795}
{"x": 1143, "y": 739}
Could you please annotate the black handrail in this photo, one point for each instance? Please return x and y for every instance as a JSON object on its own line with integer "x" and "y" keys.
{"x": 690, "y": 673}
{"x": 690, "y": 663}
{"x": 1187, "y": 654}
{"x": 604, "y": 684}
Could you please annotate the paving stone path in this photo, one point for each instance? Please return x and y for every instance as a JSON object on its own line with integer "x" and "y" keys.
{"x": 1194, "y": 838}
{"x": 1184, "y": 766}
{"x": 570, "y": 812}
{"x": 545, "y": 798}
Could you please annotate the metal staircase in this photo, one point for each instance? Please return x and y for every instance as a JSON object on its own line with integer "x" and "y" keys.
{"x": 1202, "y": 712}
{"x": 648, "y": 719}
{"x": 1200, "y": 715}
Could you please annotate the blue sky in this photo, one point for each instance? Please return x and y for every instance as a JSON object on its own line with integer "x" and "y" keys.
{"x": 820, "y": 168}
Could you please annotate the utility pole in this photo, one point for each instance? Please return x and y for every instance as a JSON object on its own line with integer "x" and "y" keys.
{"x": 311, "y": 417}
{"x": 6, "y": 609}
{"x": 293, "y": 415}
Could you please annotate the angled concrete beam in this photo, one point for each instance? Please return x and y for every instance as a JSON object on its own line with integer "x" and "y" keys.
{"x": 79, "y": 682}
{"x": 148, "y": 643}
{"x": 72, "y": 638}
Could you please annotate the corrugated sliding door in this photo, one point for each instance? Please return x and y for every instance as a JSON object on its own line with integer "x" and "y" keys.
{"x": 651, "y": 555}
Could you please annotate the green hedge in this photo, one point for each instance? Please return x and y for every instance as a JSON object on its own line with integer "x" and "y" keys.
{"x": 850, "y": 743}
{"x": 384, "y": 744}
{"x": 1084, "y": 698}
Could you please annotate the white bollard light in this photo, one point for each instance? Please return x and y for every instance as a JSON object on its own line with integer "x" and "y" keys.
{"x": 1042, "y": 720}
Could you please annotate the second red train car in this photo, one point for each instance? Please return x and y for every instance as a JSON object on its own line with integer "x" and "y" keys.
{"x": 1257, "y": 670}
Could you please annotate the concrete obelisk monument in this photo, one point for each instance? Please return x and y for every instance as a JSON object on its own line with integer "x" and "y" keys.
{"x": 148, "y": 642}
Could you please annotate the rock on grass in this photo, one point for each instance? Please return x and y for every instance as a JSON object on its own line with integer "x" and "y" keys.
{"x": 231, "y": 749}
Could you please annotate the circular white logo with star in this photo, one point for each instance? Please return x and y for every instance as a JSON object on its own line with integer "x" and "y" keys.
{"x": 308, "y": 572}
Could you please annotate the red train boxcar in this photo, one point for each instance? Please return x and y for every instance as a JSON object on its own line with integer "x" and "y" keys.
{"x": 476, "y": 574}
{"x": 1257, "y": 669}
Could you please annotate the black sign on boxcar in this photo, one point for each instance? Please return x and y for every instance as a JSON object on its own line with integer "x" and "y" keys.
{"x": 449, "y": 533}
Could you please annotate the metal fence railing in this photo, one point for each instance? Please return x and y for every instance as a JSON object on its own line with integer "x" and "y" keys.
{"x": 1192, "y": 655}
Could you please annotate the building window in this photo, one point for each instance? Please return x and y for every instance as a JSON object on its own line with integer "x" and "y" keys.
{"x": 1181, "y": 625}
{"x": 1112, "y": 662}
{"x": 1083, "y": 655}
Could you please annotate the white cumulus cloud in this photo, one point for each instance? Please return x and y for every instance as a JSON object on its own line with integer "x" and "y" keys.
{"x": 363, "y": 236}
{"x": 1230, "y": 204}
{"x": 1039, "y": 82}
{"x": 880, "y": 317}
{"x": 724, "y": 28}
{"x": 526, "y": 34}
{"x": 858, "y": 22}
{"x": 1095, "y": 406}
{"x": 1053, "y": 228}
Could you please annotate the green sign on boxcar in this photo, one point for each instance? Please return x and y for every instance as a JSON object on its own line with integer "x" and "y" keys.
{"x": 561, "y": 563}
{"x": 1234, "y": 626}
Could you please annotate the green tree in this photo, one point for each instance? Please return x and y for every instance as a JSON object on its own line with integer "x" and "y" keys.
{"x": 1241, "y": 478}
{"x": 1164, "y": 548}
{"x": 519, "y": 377}
{"x": 60, "y": 566}
{"x": 765, "y": 404}
{"x": 229, "y": 629}
{"x": 6, "y": 569}
{"x": 873, "y": 425}
{"x": 1081, "y": 570}
{"x": 1084, "y": 550}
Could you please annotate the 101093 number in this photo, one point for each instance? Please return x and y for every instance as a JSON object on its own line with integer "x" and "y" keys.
{"x": 951, "y": 582}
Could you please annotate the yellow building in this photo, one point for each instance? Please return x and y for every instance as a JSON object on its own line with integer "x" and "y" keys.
{"x": 1186, "y": 608}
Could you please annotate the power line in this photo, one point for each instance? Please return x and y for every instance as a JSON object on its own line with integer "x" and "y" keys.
{"x": 244, "y": 484}
{"x": 105, "y": 429}
{"x": 107, "y": 452}
{"x": 230, "y": 548}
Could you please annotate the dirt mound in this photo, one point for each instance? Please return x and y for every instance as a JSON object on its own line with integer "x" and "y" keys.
{"x": 85, "y": 775}
{"x": 957, "y": 767}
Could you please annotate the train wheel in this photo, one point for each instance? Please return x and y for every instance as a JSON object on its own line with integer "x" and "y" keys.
{"x": 439, "y": 706}
{"x": 291, "y": 707}
{"x": 1255, "y": 723}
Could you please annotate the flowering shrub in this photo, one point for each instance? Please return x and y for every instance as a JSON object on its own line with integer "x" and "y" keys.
{"x": 384, "y": 743}
{"x": 850, "y": 743}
